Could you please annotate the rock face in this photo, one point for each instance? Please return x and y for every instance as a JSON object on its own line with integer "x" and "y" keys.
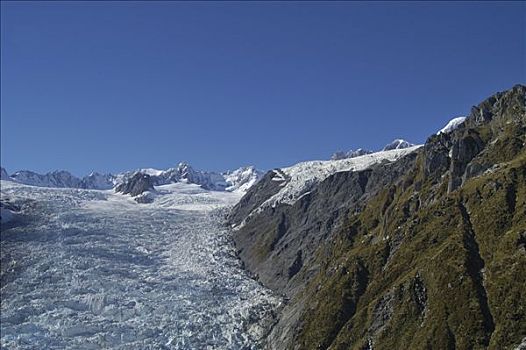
{"x": 136, "y": 185}
{"x": 421, "y": 253}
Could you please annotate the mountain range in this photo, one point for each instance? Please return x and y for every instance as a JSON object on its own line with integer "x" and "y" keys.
{"x": 238, "y": 180}
{"x": 410, "y": 247}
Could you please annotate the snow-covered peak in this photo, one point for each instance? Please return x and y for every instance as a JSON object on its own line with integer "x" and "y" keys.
{"x": 240, "y": 180}
{"x": 397, "y": 144}
{"x": 451, "y": 125}
{"x": 151, "y": 171}
{"x": 98, "y": 181}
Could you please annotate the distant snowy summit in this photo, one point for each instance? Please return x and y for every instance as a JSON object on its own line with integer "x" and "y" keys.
{"x": 350, "y": 154}
{"x": 239, "y": 180}
{"x": 396, "y": 144}
{"x": 61, "y": 178}
{"x": 141, "y": 182}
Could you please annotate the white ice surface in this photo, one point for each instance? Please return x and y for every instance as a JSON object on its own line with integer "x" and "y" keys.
{"x": 304, "y": 175}
{"x": 96, "y": 270}
{"x": 299, "y": 179}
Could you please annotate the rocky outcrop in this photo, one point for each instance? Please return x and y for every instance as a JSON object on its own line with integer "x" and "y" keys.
{"x": 404, "y": 254}
{"x": 136, "y": 185}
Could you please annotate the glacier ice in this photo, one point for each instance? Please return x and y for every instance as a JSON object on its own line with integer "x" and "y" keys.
{"x": 88, "y": 269}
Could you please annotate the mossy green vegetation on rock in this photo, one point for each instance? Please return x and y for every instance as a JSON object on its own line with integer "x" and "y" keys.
{"x": 449, "y": 275}
{"x": 428, "y": 252}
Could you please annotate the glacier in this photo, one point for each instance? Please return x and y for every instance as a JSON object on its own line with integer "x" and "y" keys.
{"x": 92, "y": 269}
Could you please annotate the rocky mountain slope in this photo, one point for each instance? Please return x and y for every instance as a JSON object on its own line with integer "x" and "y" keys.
{"x": 425, "y": 250}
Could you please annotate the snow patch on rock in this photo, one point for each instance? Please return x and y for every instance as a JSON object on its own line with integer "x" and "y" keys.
{"x": 240, "y": 180}
{"x": 451, "y": 125}
{"x": 398, "y": 144}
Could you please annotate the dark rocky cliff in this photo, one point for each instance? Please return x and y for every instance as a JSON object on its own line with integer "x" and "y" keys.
{"x": 136, "y": 186}
{"x": 423, "y": 253}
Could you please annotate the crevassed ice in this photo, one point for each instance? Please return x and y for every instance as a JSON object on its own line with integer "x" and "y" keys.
{"x": 91, "y": 270}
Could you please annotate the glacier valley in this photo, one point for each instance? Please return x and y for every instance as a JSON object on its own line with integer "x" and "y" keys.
{"x": 92, "y": 269}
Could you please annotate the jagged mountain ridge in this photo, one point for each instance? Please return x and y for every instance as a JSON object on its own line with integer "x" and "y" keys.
{"x": 425, "y": 252}
{"x": 238, "y": 180}
{"x": 61, "y": 179}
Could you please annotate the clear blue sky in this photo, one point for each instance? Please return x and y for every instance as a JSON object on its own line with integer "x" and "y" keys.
{"x": 112, "y": 86}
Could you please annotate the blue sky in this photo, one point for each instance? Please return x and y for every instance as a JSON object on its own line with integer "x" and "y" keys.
{"x": 112, "y": 86}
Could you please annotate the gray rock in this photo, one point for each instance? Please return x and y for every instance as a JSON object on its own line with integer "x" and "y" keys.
{"x": 136, "y": 185}
{"x": 382, "y": 312}
{"x": 463, "y": 150}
